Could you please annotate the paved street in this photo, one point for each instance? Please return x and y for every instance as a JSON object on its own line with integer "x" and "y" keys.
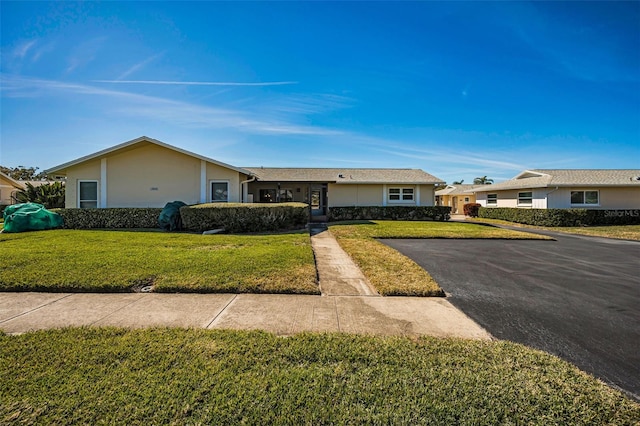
{"x": 577, "y": 297}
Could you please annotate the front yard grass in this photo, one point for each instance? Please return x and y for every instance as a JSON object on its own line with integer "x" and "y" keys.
{"x": 120, "y": 261}
{"x": 176, "y": 376}
{"x": 393, "y": 274}
{"x": 623, "y": 232}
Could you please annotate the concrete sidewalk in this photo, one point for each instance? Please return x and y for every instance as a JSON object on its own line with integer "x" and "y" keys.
{"x": 348, "y": 304}
{"x": 280, "y": 314}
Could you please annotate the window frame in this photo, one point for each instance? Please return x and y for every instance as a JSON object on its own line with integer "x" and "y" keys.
{"x": 492, "y": 200}
{"x": 218, "y": 181}
{"x": 284, "y": 190}
{"x": 79, "y": 195}
{"x": 263, "y": 192}
{"x": 404, "y": 194}
{"x": 522, "y": 199}
{"x": 584, "y": 197}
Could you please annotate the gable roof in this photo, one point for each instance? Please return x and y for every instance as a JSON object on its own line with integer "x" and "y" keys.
{"x": 140, "y": 140}
{"x": 12, "y": 181}
{"x": 541, "y": 178}
{"x": 457, "y": 189}
{"x": 343, "y": 176}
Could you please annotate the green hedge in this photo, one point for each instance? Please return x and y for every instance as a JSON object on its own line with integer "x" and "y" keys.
{"x": 390, "y": 213}
{"x": 245, "y": 217}
{"x": 562, "y": 217}
{"x": 127, "y": 218}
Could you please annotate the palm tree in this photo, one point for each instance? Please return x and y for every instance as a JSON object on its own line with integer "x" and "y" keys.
{"x": 50, "y": 195}
{"x": 458, "y": 182}
{"x": 482, "y": 181}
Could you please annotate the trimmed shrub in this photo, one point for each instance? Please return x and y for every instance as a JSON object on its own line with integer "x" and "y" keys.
{"x": 245, "y": 217}
{"x": 471, "y": 209}
{"x": 114, "y": 218}
{"x": 440, "y": 213}
{"x": 562, "y": 217}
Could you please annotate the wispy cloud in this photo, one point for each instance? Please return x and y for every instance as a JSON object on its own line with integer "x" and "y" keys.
{"x": 197, "y": 83}
{"x": 85, "y": 53}
{"x": 23, "y": 49}
{"x": 140, "y": 65}
{"x": 180, "y": 113}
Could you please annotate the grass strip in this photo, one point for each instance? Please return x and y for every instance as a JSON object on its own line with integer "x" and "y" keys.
{"x": 175, "y": 376}
{"x": 119, "y": 261}
{"x": 392, "y": 273}
{"x": 623, "y": 232}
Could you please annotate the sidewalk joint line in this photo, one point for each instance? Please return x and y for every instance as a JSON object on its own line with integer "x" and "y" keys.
{"x": 222, "y": 310}
{"x": 36, "y": 308}
{"x": 117, "y": 310}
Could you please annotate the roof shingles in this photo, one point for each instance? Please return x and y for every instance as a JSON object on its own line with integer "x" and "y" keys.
{"x": 343, "y": 176}
{"x": 542, "y": 178}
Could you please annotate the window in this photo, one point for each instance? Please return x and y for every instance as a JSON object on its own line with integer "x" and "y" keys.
{"x": 219, "y": 191}
{"x": 466, "y": 199}
{"x": 492, "y": 199}
{"x": 88, "y": 194}
{"x": 525, "y": 198}
{"x": 267, "y": 195}
{"x": 585, "y": 197}
{"x": 285, "y": 195}
{"x": 401, "y": 194}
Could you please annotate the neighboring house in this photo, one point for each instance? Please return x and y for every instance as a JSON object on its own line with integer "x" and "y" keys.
{"x": 563, "y": 189}
{"x": 456, "y": 196}
{"x": 145, "y": 172}
{"x": 8, "y": 189}
{"x": 326, "y": 188}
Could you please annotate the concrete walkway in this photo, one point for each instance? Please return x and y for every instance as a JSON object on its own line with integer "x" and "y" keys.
{"x": 348, "y": 304}
{"x": 338, "y": 275}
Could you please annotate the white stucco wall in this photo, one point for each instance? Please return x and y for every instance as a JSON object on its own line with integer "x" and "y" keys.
{"x": 610, "y": 198}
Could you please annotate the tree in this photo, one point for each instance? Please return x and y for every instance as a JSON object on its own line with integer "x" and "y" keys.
{"x": 458, "y": 182}
{"x": 482, "y": 181}
{"x": 23, "y": 173}
{"x": 50, "y": 195}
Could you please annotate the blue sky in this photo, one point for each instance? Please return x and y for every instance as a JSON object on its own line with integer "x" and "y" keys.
{"x": 458, "y": 89}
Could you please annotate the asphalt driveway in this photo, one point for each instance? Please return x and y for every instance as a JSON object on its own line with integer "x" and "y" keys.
{"x": 576, "y": 297}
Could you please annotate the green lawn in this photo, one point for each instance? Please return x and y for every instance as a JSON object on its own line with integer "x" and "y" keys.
{"x": 173, "y": 376}
{"x": 105, "y": 261}
{"x": 392, "y": 273}
{"x": 625, "y": 232}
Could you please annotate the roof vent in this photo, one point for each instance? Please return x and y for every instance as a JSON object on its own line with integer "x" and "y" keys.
{"x": 341, "y": 176}
{"x": 637, "y": 178}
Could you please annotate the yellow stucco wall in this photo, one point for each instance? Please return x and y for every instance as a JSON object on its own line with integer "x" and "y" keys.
{"x": 148, "y": 175}
{"x": 427, "y": 195}
{"x": 151, "y": 176}
{"x": 354, "y": 195}
{"x": 457, "y": 202}
{"x": 6, "y": 189}
{"x": 85, "y": 171}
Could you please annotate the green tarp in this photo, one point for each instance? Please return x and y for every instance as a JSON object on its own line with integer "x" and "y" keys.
{"x": 169, "y": 219}
{"x": 30, "y": 217}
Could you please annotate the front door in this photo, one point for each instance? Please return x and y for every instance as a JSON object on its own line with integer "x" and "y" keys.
{"x": 318, "y": 199}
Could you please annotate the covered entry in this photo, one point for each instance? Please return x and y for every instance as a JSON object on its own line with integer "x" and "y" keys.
{"x": 318, "y": 200}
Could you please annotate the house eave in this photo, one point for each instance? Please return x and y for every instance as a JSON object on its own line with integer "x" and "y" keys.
{"x": 132, "y": 142}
